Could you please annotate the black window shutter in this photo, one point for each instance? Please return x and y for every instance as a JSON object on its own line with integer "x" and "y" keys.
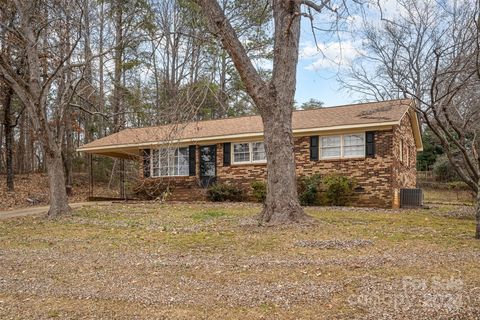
{"x": 370, "y": 144}
{"x": 191, "y": 160}
{"x": 146, "y": 162}
{"x": 314, "y": 148}
{"x": 226, "y": 153}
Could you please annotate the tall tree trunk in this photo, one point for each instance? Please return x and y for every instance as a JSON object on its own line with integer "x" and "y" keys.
{"x": 68, "y": 154}
{"x": 281, "y": 203}
{"x": 101, "y": 84}
{"x": 2, "y": 162}
{"x": 477, "y": 214}
{"x": 117, "y": 78}
{"x": 8, "y": 125}
{"x": 222, "y": 95}
{"x": 65, "y": 118}
{"x": 29, "y": 147}
{"x": 20, "y": 160}
{"x": 56, "y": 176}
{"x": 88, "y": 75}
{"x": 274, "y": 99}
{"x": 156, "y": 76}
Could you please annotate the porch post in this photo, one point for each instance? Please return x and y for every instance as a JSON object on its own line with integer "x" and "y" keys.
{"x": 90, "y": 176}
{"x": 122, "y": 179}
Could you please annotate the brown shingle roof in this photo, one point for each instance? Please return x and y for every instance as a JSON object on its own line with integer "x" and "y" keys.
{"x": 348, "y": 115}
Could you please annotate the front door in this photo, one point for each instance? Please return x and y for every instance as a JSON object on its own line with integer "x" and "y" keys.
{"x": 208, "y": 165}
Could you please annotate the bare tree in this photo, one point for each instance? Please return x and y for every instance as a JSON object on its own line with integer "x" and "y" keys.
{"x": 273, "y": 98}
{"x": 8, "y": 129}
{"x": 431, "y": 53}
{"x": 38, "y": 33}
{"x": 118, "y": 112}
{"x": 7, "y": 108}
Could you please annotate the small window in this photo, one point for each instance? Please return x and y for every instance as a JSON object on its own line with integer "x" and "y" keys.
{"x": 241, "y": 152}
{"x": 354, "y": 145}
{"x": 400, "y": 155}
{"x": 331, "y": 147}
{"x": 407, "y": 156}
{"x": 249, "y": 152}
{"x": 170, "y": 162}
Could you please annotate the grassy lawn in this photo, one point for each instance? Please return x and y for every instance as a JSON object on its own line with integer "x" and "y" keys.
{"x": 149, "y": 261}
{"x": 449, "y": 196}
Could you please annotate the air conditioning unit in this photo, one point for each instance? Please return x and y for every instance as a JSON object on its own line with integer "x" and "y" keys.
{"x": 411, "y": 198}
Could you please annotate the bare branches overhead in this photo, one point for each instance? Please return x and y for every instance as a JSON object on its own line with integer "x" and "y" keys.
{"x": 429, "y": 52}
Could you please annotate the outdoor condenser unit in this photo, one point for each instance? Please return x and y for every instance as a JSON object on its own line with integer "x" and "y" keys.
{"x": 411, "y": 198}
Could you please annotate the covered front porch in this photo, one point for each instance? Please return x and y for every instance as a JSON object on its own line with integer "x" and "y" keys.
{"x": 174, "y": 172}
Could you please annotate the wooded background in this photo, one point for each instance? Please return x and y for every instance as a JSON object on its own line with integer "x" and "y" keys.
{"x": 130, "y": 63}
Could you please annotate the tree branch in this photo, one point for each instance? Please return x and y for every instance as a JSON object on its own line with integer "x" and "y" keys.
{"x": 222, "y": 29}
{"x": 318, "y": 7}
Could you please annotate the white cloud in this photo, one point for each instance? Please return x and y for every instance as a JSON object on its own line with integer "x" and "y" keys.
{"x": 335, "y": 54}
{"x": 329, "y": 55}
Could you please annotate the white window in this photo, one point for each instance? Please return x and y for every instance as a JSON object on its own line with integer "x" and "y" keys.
{"x": 342, "y": 146}
{"x": 331, "y": 147}
{"x": 354, "y": 145}
{"x": 241, "y": 152}
{"x": 170, "y": 162}
{"x": 248, "y": 152}
{"x": 258, "y": 149}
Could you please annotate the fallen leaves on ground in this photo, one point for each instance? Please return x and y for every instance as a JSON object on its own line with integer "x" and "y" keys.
{"x": 32, "y": 190}
{"x": 204, "y": 260}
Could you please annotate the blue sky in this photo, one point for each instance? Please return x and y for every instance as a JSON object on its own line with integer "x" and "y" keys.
{"x": 319, "y": 68}
{"x": 321, "y": 85}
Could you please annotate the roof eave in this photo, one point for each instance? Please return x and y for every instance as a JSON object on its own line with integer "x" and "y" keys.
{"x": 417, "y": 132}
{"x": 297, "y": 132}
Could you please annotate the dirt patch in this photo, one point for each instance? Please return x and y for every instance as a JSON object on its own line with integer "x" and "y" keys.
{"x": 333, "y": 244}
{"x": 458, "y": 212}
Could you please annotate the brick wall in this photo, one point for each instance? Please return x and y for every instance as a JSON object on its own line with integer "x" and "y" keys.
{"x": 404, "y": 170}
{"x": 373, "y": 175}
{"x": 377, "y": 177}
{"x": 240, "y": 174}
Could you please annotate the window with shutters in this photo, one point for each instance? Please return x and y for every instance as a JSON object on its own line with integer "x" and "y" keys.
{"x": 170, "y": 162}
{"x": 241, "y": 152}
{"x": 258, "y": 151}
{"x": 331, "y": 147}
{"x": 248, "y": 152}
{"x": 342, "y": 146}
{"x": 354, "y": 145}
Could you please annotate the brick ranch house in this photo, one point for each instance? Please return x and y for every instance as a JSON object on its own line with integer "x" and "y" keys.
{"x": 374, "y": 143}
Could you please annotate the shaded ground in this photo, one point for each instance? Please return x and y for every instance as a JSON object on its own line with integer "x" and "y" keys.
{"x": 39, "y": 210}
{"x": 152, "y": 261}
{"x": 31, "y": 190}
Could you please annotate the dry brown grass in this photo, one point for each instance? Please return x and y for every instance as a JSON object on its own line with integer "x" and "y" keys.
{"x": 146, "y": 261}
{"x": 449, "y": 196}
